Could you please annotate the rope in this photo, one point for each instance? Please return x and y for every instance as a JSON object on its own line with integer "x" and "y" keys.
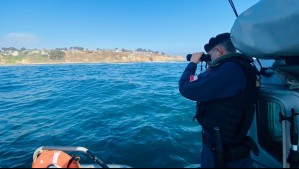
{"x": 233, "y": 7}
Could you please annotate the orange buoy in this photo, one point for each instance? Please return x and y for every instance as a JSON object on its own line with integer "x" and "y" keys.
{"x": 54, "y": 158}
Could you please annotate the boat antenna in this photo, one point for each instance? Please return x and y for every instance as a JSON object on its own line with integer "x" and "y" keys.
{"x": 233, "y": 7}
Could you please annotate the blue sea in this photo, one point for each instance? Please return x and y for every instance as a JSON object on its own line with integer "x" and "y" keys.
{"x": 131, "y": 114}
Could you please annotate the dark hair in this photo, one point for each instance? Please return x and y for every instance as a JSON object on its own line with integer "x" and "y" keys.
{"x": 228, "y": 45}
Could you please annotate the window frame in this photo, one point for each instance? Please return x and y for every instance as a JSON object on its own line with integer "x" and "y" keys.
{"x": 275, "y": 148}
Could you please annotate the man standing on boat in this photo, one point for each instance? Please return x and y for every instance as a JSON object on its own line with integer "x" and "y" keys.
{"x": 226, "y": 95}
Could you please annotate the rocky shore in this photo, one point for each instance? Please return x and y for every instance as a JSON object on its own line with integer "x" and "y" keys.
{"x": 77, "y": 56}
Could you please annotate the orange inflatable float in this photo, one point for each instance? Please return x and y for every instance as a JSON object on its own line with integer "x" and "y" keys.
{"x": 55, "y": 158}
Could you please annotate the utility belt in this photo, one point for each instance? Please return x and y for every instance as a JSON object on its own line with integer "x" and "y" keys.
{"x": 234, "y": 151}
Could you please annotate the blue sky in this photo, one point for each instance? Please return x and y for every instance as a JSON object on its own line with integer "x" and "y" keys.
{"x": 175, "y": 27}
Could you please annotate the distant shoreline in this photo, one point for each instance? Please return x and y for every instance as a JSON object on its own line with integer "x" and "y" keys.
{"x": 45, "y": 57}
{"x": 74, "y": 63}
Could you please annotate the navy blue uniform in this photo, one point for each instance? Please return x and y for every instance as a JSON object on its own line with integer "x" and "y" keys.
{"x": 223, "y": 81}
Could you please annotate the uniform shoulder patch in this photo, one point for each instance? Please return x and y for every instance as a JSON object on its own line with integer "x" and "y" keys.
{"x": 193, "y": 78}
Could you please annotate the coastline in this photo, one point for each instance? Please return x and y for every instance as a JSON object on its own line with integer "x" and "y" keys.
{"x": 74, "y": 63}
{"x": 51, "y": 57}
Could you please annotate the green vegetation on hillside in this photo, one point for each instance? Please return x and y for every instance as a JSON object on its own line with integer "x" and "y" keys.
{"x": 56, "y": 55}
{"x": 13, "y": 59}
{"x": 80, "y": 55}
{"x": 19, "y": 59}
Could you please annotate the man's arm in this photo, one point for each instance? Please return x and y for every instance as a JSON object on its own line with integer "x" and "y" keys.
{"x": 224, "y": 81}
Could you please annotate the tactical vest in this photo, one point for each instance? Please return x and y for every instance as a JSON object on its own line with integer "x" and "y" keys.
{"x": 233, "y": 115}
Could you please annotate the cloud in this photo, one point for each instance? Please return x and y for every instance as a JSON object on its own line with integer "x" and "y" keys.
{"x": 15, "y": 39}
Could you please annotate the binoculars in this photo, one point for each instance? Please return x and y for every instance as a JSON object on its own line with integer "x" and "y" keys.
{"x": 204, "y": 57}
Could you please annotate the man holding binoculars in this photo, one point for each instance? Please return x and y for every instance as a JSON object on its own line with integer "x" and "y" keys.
{"x": 226, "y": 95}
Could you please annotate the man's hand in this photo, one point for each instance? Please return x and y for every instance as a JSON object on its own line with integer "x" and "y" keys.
{"x": 196, "y": 57}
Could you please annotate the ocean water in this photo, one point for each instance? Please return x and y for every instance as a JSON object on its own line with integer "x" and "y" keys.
{"x": 131, "y": 114}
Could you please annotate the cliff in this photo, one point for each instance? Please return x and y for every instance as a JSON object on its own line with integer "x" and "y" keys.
{"x": 86, "y": 56}
{"x": 112, "y": 56}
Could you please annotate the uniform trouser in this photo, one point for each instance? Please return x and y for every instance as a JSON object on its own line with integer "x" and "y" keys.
{"x": 208, "y": 158}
